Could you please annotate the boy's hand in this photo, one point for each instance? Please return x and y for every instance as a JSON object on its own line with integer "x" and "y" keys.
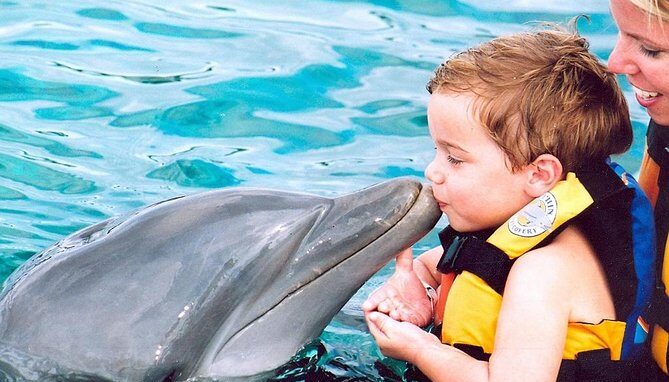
{"x": 403, "y": 296}
{"x": 400, "y": 340}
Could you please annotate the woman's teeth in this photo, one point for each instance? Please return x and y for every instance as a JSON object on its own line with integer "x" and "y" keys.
{"x": 645, "y": 94}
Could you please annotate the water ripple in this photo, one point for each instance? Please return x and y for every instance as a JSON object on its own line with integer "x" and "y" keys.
{"x": 18, "y": 87}
{"x": 196, "y": 173}
{"x": 102, "y": 14}
{"x": 8, "y": 134}
{"x": 184, "y": 32}
{"x": 46, "y": 44}
{"x": 145, "y": 79}
{"x": 41, "y": 177}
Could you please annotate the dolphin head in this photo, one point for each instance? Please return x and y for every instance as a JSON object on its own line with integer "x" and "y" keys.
{"x": 225, "y": 284}
{"x": 348, "y": 240}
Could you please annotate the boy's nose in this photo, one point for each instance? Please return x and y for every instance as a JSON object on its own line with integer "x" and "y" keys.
{"x": 621, "y": 60}
{"x": 434, "y": 174}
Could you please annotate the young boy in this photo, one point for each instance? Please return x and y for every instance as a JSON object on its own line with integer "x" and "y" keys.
{"x": 539, "y": 276}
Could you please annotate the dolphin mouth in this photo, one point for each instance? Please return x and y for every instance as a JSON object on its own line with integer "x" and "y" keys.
{"x": 356, "y": 267}
{"x": 420, "y": 197}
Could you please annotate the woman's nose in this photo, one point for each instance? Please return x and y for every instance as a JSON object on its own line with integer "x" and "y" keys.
{"x": 622, "y": 58}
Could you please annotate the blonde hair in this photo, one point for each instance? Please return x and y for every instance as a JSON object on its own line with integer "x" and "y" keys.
{"x": 659, "y": 8}
{"x": 541, "y": 93}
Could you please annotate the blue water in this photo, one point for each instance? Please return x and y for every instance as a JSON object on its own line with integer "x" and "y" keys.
{"x": 109, "y": 106}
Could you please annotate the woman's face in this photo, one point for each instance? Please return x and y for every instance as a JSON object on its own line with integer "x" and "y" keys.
{"x": 642, "y": 54}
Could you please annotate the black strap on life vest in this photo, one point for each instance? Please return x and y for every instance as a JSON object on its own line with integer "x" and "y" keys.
{"x": 596, "y": 365}
{"x": 607, "y": 225}
{"x": 589, "y": 366}
{"x": 470, "y": 252}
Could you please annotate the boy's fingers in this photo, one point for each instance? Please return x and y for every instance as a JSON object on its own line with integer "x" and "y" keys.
{"x": 382, "y": 294}
{"x": 380, "y": 321}
{"x": 369, "y": 304}
{"x": 371, "y": 324}
{"x": 408, "y": 316}
{"x": 374, "y": 299}
{"x": 384, "y": 306}
{"x": 404, "y": 260}
{"x": 395, "y": 314}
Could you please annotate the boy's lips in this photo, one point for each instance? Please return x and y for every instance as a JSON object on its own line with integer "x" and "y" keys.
{"x": 645, "y": 97}
{"x": 442, "y": 204}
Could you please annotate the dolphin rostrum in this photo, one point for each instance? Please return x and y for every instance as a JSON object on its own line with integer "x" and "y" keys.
{"x": 221, "y": 285}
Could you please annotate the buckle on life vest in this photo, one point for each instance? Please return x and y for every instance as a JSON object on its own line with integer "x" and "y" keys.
{"x": 447, "y": 262}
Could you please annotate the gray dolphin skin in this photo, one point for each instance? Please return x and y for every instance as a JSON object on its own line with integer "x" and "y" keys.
{"x": 222, "y": 285}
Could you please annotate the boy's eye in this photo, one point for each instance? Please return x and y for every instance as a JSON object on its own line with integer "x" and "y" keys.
{"x": 452, "y": 160}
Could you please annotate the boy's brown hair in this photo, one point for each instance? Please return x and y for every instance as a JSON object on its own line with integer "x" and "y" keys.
{"x": 541, "y": 93}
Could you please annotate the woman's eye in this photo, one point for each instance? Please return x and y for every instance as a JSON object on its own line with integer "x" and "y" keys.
{"x": 452, "y": 160}
{"x": 649, "y": 51}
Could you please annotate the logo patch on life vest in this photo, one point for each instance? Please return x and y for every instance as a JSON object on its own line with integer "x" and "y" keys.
{"x": 535, "y": 218}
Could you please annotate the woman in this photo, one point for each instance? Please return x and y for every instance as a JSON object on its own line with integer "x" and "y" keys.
{"x": 642, "y": 54}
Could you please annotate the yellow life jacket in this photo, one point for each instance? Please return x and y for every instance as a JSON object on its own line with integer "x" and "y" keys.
{"x": 654, "y": 179}
{"x": 602, "y": 201}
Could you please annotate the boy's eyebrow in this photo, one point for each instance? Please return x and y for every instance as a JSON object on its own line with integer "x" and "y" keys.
{"x": 453, "y": 145}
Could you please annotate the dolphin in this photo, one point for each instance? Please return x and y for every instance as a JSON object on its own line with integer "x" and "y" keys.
{"x": 221, "y": 285}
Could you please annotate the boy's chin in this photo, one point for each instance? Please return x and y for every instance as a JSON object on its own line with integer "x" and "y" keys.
{"x": 465, "y": 227}
{"x": 460, "y": 227}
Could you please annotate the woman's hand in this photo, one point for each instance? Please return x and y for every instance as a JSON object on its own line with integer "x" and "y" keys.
{"x": 403, "y": 296}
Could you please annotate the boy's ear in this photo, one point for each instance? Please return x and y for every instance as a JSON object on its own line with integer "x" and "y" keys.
{"x": 543, "y": 174}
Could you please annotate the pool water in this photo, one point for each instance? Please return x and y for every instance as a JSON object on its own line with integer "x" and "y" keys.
{"x": 109, "y": 106}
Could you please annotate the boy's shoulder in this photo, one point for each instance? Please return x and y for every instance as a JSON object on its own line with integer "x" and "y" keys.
{"x": 565, "y": 275}
{"x": 562, "y": 263}
{"x": 553, "y": 261}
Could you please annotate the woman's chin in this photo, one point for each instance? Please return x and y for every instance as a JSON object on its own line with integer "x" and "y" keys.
{"x": 661, "y": 119}
{"x": 659, "y": 111}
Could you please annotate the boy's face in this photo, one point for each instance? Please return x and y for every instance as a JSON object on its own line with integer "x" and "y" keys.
{"x": 469, "y": 175}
